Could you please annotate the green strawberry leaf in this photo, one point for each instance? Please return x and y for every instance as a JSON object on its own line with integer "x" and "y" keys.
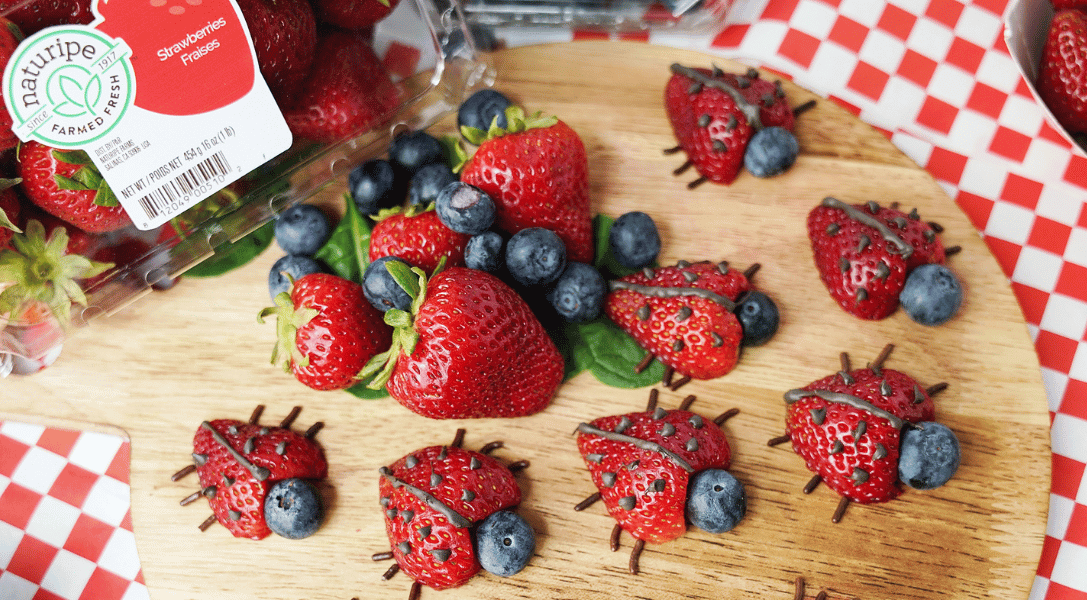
{"x": 347, "y": 250}
{"x": 232, "y": 256}
{"x": 6, "y": 223}
{"x": 105, "y": 196}
{"x": 363, "y": 391}
{"x": 67, "y": 183}
{"x": 72, "y": 157}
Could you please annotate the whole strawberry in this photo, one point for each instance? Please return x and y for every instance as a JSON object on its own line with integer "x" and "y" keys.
{"x": 849, "y": 428}
{"x": 657, "y": 469}
{"x": 10, "y": 36}
{"x": 536, "y": 170}
{"x": 683, "y": 315}
{"x": 284, "y": 36}
{"x": 469, "y": 348}
{"x": 1062, "y": 82}
{"x": 353, "y": 14}
{"x": 326, "y": 331}
{"x": 66, "y": 184}
{"x": 258, "y": 479}
{"x": 347, "y": 90}
{"x": 864, "y": 253}
{"x": 448, "y": 513}
{"x": 417, "y": 235}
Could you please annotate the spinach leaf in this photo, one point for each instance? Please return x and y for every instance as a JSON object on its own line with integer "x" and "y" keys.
{"x": 346, "y": 251}
{"x": 236, "y": 254}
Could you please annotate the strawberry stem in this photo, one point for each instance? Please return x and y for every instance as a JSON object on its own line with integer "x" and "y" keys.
{"x": 288, "y": 321}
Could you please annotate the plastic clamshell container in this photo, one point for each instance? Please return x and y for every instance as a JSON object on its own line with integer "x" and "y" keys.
{"x": 448, "y": 69}
{"x": 1026, "y": 26}
{"x": 616, "y": 16}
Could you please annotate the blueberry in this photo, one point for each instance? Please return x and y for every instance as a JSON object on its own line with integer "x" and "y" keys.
{"x": 294, "y": 265}
{"x": 381, "y": 289}
{"x": 374, "y": 185}
{"x": 484, "y": 252}
{"x": 465, "y": 208}
{"x": 634, "y": 240}
{"x": 428, "y": 182}
{"x": 480, "y": 109}
{"x": 928, "y": 455}
{"x": 293, "y": 508}
{"x": 411, "y": 150}
{"x": 715, "y": 500}
{"x": 771, "y": 151}
{"x": 504, "y": 543}
{"x": 932, "y": 295}
{"x": 578, "y": 294}
{"x": 535, "y": 256}
{"x": 302, "y": 229}
{"x": 758, "y": 316}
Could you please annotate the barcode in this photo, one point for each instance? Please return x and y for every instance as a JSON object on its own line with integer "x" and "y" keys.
{"x": 168, "y": 195}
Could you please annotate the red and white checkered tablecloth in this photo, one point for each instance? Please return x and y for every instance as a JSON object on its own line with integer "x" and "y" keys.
{"x": 934, "y": 75}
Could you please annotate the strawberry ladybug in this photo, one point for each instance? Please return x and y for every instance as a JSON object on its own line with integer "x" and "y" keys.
{"x": 449, "y": 512}
{"x": 659, "y": 469}
{"x": 864, "y": 432}
{"x": 693, "y": 317}
{"x": 867, "y": 255}
{"x": 259, "y": 479}
{"x": 716, "y": 116}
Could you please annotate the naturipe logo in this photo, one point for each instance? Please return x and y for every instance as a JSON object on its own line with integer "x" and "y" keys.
{"x": 67, "y": 86}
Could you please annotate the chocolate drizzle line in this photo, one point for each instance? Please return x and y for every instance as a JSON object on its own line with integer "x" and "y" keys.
{"x": 796, "y": 395}
{"x": 258, "y": 473}
{"x": 673, "y": 292}
{"x": 638, "y": 443}
{"x": 457, "y": 519}
{"x": 750, "y": 111}
{"x": 896, "y": 243}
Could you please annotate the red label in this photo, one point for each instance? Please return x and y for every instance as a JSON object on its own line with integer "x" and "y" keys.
{"x": 188, "y": 56}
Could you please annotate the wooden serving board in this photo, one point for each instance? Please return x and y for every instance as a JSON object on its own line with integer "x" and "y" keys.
{"x": 196, "y": 352}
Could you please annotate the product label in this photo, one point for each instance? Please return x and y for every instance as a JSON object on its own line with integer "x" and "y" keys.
{"x": 165, "y": 96}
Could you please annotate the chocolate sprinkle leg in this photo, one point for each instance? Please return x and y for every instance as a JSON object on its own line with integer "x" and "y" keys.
{"x": 652, "y": 403}
{"x": 750, "y": 272}
{"x": 672, "y": 150}
{"x": 781, "y": 439}
{"x": 798, "y": 587}
{"x": 803, "y": 108}
{"x": 208, "y": 522}
{"x": 518, "y": 466}
{"x": 936, "y": 389}
{"x": 681, "y": 169}
{"x": 313, "y": 429}
{"x": 666, "y": 380}
{"x": 645, "y": 362}
{"x": 878, "y": 363}
{"x": 416, "y": 589}
{"x": 812, "y": 484}
{"x": 587, "y": 502}
{"x": 291, "y": 416}
{"x": 187, "y": 500}
{"x": 846, "y": 366}
{"x": 687, "y": 402}
{"x": 822, "y": 595}
{"x": 697, "y": 182}
{"x": 491, "y": 447}
{"x": 838, "y": 512}
{"x": 257, "y": 412}
{"x": 458, "y": 438}
{"x": 635, "y": 555}
{"x": 613, "y": 540}
{"x": 391, "y": 571}
{"x": 728, "y": 414}
{"x": 382, "y": 555}
{"x": 182, "y": 473}
{"x": 682, "y": 381}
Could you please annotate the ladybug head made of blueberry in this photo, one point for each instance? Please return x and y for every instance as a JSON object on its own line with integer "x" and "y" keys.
{"x": 657, "y": 470}
{"x": 259, "y": 479}
{"x": 449, "y": 512}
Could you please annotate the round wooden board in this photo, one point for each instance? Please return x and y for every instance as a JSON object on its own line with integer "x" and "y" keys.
{"x": 174, "y": 359}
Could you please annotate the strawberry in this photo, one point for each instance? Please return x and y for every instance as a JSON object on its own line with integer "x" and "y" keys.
{"x": 418, "y": 236}
{"x": 865, "y": 252}
{"x": 284, "y": 35}
{"x": 536, "y": 170}
{"x": 10, "y": 36}
{"x": 847, "y": 427}
{"x": 326, "y": 330}
{"x": 434, "y": 500}
{"x": 347, "y": 90}
{"x": 353, "y": 14}
{"x": 66, "y": 184}
{"x": 10, "y": 207}
{"x": 239, "y": 462}
{"x": 683, "y": 315}
{"x": 1063, "y": 4}
{"x": 470, "y": 348}
{"x": 712, "y": 121}
{"x": 1062, "y": 83}
{"x": 642, "y": 463}
{"x": 34, "y": 15}
{"x": 774, "y": 109}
